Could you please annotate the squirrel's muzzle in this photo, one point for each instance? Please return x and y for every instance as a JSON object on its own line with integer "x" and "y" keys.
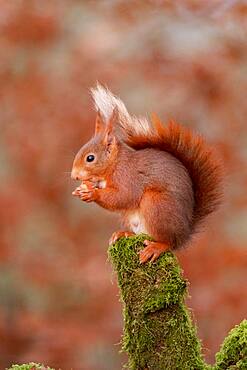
{"x": 78, "y": 174}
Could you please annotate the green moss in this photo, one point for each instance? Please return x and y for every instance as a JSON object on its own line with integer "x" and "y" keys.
{"x": 30, "y": 366}
{"x": 158, "y": 332}
{"x": 233, "y": 352}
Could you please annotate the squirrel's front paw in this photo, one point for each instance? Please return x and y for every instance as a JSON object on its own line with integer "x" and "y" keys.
{"x": 86, "y": 191}
{"x": 88, "y": 196}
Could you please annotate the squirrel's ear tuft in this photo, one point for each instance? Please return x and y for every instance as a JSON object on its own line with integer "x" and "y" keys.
{"x": 114, "y": 117}
{"x": 105, "y": 101}
{"x": 99, "y": 124}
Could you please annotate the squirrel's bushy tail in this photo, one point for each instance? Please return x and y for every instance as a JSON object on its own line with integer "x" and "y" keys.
{"x": 201, "y": 162}
{"x": 197, "y": 157}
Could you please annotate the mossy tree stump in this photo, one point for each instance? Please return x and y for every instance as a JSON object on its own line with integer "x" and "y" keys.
{"x": 158, "y": 330}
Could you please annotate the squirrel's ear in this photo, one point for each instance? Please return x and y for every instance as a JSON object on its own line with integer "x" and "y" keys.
{"x": 99, "y": 124}
{"x": 109, "y": 137}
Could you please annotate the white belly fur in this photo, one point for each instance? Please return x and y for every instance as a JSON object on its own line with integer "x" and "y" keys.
{"x": 102, "y": 184}
{"x": 136, "y": 223}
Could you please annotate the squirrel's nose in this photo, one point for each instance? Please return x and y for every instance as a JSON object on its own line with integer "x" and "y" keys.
{"x": 75, "y": 174}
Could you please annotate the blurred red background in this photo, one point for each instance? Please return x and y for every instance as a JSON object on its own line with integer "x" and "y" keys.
{"x": 185, "y": 60}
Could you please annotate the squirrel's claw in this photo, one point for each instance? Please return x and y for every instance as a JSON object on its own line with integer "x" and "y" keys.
{"x": 87, "y": 196}
{"x": 76, "y": 192}
{"x": 120, "y": 234}
{"x": 152, "y": 251}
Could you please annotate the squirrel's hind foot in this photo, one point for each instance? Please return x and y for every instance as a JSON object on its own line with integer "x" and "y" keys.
{"x": 152, "y": 251}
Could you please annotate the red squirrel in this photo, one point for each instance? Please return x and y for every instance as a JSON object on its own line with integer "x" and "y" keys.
{"x": 163, "y": 180}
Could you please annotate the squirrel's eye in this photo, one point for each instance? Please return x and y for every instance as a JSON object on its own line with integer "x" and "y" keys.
{"x": 90, "y": 158}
